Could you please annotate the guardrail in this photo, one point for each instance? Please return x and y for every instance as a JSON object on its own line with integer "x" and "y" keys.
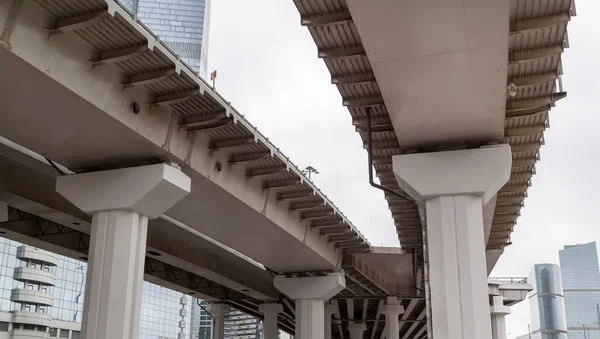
{"x": 512, "y": 280}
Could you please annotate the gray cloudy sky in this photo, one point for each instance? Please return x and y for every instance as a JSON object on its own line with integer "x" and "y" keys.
{"x": 268, "y": 68}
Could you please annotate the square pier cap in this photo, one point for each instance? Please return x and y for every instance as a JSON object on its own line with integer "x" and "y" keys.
{"x": 148, "y": 190}
{"x": 481, "y": 171}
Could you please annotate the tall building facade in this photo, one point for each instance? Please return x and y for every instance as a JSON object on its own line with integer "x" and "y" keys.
{"x": 201, "y": 321}
{"x": 239, "y": 325}
{"x": 181, "y": 24}
{"x": 43, "y": 292}
{"x": 581, "y": 286}
{"x": 546, "y": 303}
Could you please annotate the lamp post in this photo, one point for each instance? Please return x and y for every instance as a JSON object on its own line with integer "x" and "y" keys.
{"x": 309, "y": 170}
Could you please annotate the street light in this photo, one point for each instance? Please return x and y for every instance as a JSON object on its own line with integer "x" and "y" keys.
{"x": 309, "y": 170}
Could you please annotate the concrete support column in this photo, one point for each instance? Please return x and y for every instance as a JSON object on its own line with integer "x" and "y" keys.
{"x": 357, "y": 330}
{"x": 499, "y": 312}
{"x": 330, "y": 310}
{"x": 270, "y": 330}
{"x": 121, "y": 202}
{"x": 218, "y": 312}
{"x": 454, "y": 186}
{"x": 392, "y": 310}
{"x": 310, "y": 294}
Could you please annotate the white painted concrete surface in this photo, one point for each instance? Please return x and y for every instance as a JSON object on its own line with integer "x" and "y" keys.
{"x": 218, "y": 312}
{"x": 392, "y": 309}
{"x": 499, "y": 312}
{"x": 121, "y": 201}
{"x": 455, "y": 186}
{"x": 271, "y": 310}
{"x": 447, "y": 65}
{"x": 357, "y": 330}
{"x": 310, "y": 294}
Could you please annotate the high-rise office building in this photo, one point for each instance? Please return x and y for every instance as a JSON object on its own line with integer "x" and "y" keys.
{"x": 44, "y": 292}
{"x": 581, "y": 287}
{"x": 201, "y": 321}
{"x": 239, "y": 325}
{"x": 546, "y": 303}
{"x": 181, "y": 24}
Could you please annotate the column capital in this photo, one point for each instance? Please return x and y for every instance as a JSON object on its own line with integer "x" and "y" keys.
{"x": 497, "y": 307}
{"x": 391, "y": 310}
{"x": 482, "y": 171}
{"x": 270, "y": 308}
{"x": 330, "y": 309}
{"x": 392, "y": 307}
{"x": 218, "y": 310}
{"x": 148, "y": 190}
{"x": 357, "y": 330}
{"x": 323, "y": 288}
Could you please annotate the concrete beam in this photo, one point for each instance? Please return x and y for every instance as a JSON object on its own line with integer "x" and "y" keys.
{"x": 79, "y": 22}
{"x": 513, "y": 188}
{"x": 300, "y": 206}
{"x": 149, "y": 78}
{"x": 520, "y": 57}
{"x": 315, "y": 215}
{"x": 534, "y": 80}
{"x": 173, "y": 245}
{"x": 247, "y": 157}
{"x": 175, "y": 98}
{"x": 516, "y": 132}
{"x": 525, "y": 105}
{"x": 326, "y": 19}
{"x": 365, "y": 78}
{"x": 524, "y": 26}
{"x": 111, "y": 57}
{"x": 262, "y": 171}
{"x": 221, "y": 144}
{"x": 523, "y": 162}
{"x": 342, "y": 53}
{"x": 364, "y": 102}
{"x": 281, "y": 183}
{"x": 294, "y": 195}
{"x": 525, "y": 148}
{"x": 520, "y": 176}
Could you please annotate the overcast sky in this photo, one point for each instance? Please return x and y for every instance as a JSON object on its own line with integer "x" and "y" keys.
{"x": 268, "y": 68}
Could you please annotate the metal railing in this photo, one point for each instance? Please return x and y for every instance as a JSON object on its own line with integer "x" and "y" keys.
{"x": 511, "y": 280}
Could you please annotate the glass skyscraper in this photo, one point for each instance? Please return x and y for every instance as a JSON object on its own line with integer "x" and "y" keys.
{"x": 546, "y": 303}
{"x": 51, "y": 289}
{"x": 181, "y": 24}
{"x": 581, "y": 287}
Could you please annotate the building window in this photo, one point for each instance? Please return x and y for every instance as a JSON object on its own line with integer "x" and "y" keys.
{"x": 53, "y": 332}
{"x": 3, "y": 326}
{"x": 28, "y": 327}
{"x": 64, "y": 333}
{"x": 75, "y": 335}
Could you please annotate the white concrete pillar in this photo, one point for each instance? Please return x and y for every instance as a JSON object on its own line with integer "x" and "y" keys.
{"x": 218, "y": 312}
{"x": 310, "y": 294}
{"x": 120, "y": 201}
{"x": 330, "y": 310}
{"x": 499, "y": 312}
{"x": 357, "y": 330}
{"x": 392, "y": 310}
{"x": 270, "y": 330}
{"x": 454, "y": 186}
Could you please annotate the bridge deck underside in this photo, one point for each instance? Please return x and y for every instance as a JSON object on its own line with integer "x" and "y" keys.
{"x": 197, "y": 109}
{"x": 537, "y": 38}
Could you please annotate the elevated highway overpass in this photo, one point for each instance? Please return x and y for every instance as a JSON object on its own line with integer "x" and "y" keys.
{"x": 451, "y": 100}
{"x": 93, "y": 90}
